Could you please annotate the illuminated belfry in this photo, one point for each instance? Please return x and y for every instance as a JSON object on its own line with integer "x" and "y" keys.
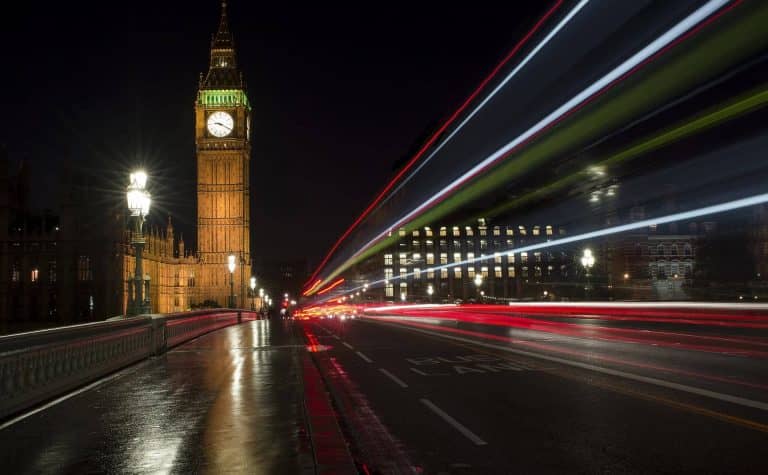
{"x": 223, "y": 148}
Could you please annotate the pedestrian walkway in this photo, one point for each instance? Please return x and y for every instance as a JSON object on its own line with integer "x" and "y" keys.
{"x": 230, "y": 401}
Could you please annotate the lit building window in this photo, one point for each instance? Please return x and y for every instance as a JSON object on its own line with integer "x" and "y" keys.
{"x": 497, "y": 258}
{"x": 387, "y": 259}
{"x": 470, "y": 256}
{"x": 401, "y": 232}
{"x": 456, "y": 244}
{"x": 191, "y": 280}
{"x": 430, "y": 274}
{"x": 496, "y": 231}
{"x": 388, "y": 273}
{"x": 443, "y": 231}
{"x": 469, "y": 231}
{"x": 429, "y": 243}
{"x": 470, "y": 272}
{"x": 416, "y": 256}
{"x": 457, "y": 272}
{"x": 415, "y": 243}
{"x": 549, "y": 230}
{"x": 443, "y": 273}
{"x": 403, "y": 273}
{"x": 511, "y": 271}
{"x": 430, "y": 258}
{"x": 415, "y": 233}
{"x": 389, "y": 290}
{"x": 510, "y": 231}
{"x": 34, "y": 275}
{"x": 497, "y": 272}
{"x": 536, "y": 231}
{"x": 51, "y": 272}
{"x": 456, "y": 231}
{"x": 84, "y": 270}
{"x": 428, "y": 232}
{"x": 537, "y": 256}
{"x": 484, "y": 271}
{"x": 483, "y": 244}
{"x": 524, "y": 257}
{"x": 403, "y": 259}
{"x": 416, "y": 273}
{"x": 456, "y": 257}
{"x": 522, "y": 230}
{"x": 483, "y": 231}
{"x": 511, "y": 258}
{"x": 443, "y": 258}
{"x": 525, "y": 271}
{"x": 510, "y": 244}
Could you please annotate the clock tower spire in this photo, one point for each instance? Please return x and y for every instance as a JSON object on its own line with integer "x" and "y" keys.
{"x": 223, "y": 149}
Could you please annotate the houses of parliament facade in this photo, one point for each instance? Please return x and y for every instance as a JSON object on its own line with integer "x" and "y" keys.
{"x": 75, "y": 266}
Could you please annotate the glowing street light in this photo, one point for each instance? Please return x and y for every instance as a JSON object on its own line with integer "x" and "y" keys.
{"x": 588, "y": 261}
{"x": 478, "y": 284}
{"x": 139, "y": 201}
{"x": 403, "y": 296}
{"x": 253, "y": 291}
{"x": 231, "y": 266}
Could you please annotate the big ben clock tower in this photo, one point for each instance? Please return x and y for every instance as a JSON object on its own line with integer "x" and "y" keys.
{"x": 223, "y": 148}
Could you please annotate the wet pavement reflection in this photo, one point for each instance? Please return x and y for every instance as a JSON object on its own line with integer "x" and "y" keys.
{"x": 227, "y": 402}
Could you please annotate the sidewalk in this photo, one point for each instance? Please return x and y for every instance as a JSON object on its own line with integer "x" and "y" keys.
{"x": 231, "y": 401}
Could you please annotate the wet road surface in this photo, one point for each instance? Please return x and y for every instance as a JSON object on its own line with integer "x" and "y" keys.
{"x": 465, "y": 405}
{"x": 227, "y": 402}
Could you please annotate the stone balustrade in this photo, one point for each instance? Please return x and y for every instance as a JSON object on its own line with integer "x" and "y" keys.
{"x": 40, "y": 365}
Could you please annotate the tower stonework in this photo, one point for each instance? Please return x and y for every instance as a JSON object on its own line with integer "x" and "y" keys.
{"x": 223, "y": 149}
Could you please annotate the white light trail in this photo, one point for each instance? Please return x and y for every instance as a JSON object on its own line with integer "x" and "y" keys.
{"x": 490, "y": 96}
{"x": 635, "y": 60}
{"x": 671, "y": 218}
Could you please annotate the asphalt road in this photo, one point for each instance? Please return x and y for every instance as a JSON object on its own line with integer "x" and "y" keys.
{"x": 463, "y": 398}
{"x": 226, "y": 402}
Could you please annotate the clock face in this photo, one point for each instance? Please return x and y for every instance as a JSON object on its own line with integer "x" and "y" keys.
{"x": 220, "y": 124}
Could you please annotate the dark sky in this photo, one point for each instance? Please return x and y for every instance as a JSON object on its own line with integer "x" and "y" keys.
{"x": 339, "y": 94}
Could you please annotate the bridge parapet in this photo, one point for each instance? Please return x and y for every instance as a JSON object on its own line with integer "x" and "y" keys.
{"x": 37, "y": 366}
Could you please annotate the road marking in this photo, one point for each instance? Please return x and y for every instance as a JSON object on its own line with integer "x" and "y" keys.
{"x": 613, "y": 372}
{"x": 347, "y": 345}
{"x": 394, "y": 378}
{"x": 63, "y": 398}
{"x": 368, "y": 360}
{"x": 418, "y": 371}
{"x": 456, "y": 424}
{"x": 336, "y": 336}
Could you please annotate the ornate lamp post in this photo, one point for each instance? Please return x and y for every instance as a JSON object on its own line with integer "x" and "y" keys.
{"x": 430, "y": 291}
{"x": 253, "y": 291}
{"x": 231, "y": 265}
{"x": 261, "y": 300}
{"x": 139, "y": 201}
{"x": 587, "y": 260}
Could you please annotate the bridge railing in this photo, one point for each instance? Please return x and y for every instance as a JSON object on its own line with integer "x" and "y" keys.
{"x": 39, "y": 365}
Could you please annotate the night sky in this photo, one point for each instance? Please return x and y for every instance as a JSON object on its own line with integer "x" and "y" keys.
{"x": 339, "y": 93}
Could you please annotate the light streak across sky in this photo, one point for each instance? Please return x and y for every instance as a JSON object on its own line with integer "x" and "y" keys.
{"x": 378, "y": 200}
{"x": 670, "y": 218}
{"x": 617, "y": 73}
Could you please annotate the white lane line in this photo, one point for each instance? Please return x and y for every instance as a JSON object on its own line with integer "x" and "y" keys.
{"x": 367, "y": 360}
{"x": 418, "y": 371}
{"x": 394, "y": 378}
{"x": 456, "y": 424}
{"x": 347, "y": 345}
{"x": 613, "y": 372}
{"x": 63, "y": 398}
{"x": 336, "y": 336}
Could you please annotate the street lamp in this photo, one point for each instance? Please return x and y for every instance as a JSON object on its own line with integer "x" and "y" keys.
{"x": 261, "y": 299}
{"x": 479, "y": 283}
{"x": 430, "y": 291}
{"x": 253, "y": 291}
{"x": 139, "y": 201}
{"x": 231, "y": 265}
{"x": 587, "y": 260}
{"x": 403, "y": 296}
